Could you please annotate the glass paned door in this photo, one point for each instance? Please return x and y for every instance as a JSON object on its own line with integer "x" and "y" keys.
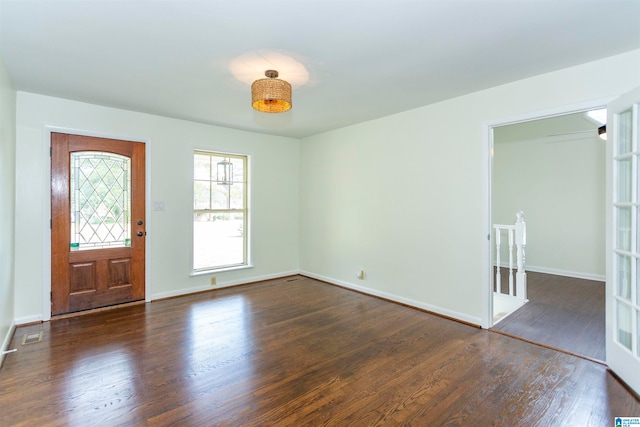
{"x": 98, "y": 222}
{"x": 626, "y": 242}
{"x": 623, "y": 267}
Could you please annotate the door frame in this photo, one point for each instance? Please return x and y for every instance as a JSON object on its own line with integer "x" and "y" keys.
{"x": 487, "y": 172}
{"x": 46, "y": 170}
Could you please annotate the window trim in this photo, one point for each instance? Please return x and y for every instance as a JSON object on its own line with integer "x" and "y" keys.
{"x": 247, "y": 258}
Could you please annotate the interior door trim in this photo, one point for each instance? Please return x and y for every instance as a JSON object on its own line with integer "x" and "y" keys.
{"x": 46, "y": 172}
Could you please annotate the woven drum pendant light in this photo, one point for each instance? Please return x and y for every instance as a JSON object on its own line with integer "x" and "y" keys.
{"x": 271, "y": 95}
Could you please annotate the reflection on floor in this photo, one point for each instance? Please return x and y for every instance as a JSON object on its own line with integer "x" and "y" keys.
{"x": 294, "y": 352}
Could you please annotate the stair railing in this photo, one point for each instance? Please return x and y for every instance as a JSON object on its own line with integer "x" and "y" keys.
{"x": 516, "y": 234}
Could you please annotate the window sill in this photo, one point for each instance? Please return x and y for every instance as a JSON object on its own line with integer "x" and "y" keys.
{"x": 220, "y": 270}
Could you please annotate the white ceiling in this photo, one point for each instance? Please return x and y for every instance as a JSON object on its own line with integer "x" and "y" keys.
{"x": 364, "y": 59}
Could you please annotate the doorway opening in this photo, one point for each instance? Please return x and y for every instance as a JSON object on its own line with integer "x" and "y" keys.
{"x": 552, "y": 168}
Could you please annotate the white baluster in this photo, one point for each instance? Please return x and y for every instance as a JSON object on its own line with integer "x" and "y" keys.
{"x": 521, "y": 242}
{"x": 498, "y": 276}
{"x": 511, "y": 262}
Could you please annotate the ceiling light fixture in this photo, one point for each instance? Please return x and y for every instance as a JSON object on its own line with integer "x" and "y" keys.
{"x": 271, "y": 95}
{"x": 602, "y": 132}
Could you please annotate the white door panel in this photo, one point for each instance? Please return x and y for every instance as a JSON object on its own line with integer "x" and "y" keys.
{"x": 623, "y": 238}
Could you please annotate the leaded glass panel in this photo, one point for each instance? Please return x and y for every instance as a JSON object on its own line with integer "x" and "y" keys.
{"x": 100, "y": 200}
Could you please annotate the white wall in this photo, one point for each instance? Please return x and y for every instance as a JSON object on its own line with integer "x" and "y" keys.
{"x": 560, "y": 186}
{"x": 402, "y": 196}
{"x": 274, "y": 203}
{"x": 7, "y": 204}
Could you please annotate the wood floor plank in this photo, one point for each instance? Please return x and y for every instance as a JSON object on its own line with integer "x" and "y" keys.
{"x": 563, "y": 312}
{"x": 294, "y": 353}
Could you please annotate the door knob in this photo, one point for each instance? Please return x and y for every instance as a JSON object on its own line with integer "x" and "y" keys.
{"x": 140, "y": 233}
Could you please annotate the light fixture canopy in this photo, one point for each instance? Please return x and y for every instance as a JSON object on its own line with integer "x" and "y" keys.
{"x": 602, "y": 132}
{"x": 271, "y": 95}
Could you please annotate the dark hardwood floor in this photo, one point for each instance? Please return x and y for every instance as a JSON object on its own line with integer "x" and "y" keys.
{"x": 562, "y": 312}
{"x": 294, "y": 352}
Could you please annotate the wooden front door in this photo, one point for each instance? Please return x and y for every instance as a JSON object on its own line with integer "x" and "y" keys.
{"x": 97, "y": 222}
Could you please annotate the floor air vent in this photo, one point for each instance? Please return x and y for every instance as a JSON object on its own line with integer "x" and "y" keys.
{"x": 32, "y": 338}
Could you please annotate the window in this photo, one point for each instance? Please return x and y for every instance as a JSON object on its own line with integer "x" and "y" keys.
{"x": 219, "y": 211}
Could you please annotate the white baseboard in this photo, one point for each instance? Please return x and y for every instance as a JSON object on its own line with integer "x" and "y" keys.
{"x": 396, "y": 298}
{"x": 559, "y": 272}
{"x": 38, "y": 317}
{"x": 221, "y": 285}
{"x": 28, "y": 319}
{"x": 6, "y": 341}
{"x": 392, "y": 297}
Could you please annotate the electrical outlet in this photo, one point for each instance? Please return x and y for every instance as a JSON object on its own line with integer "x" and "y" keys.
{"x": 213, "y": 281}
